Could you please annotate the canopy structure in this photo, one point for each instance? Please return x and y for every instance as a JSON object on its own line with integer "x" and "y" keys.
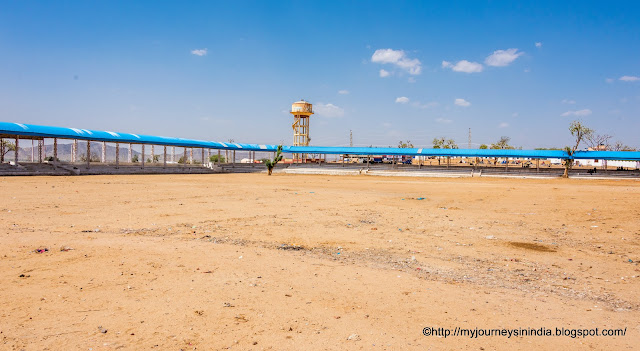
{"x": 8, "y": 129}
{"x": 31, "y": 130}
{"x": 427, "y": 152}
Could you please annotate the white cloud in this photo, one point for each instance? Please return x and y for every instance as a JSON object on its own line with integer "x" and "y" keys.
{"x": 402, "y": 100}
{"x": 501, "y": 58}
{"x": 609, "y": 80}
{"x": 538, "y": 44}
{"x": 567, "y": 101}
{"x": 199, "y": 52}
{"x": 443, "y": 120}
{"x": 629, "y": 78}
{"x": 398, "y": 58}
{"x": 343, "y": 92}
{"x": 462, "y": 102}
{"x": 578, "y": 113}
{"x": 463, "y": 66}
{"x": 328, "y": 110}
{"x": 384, "y": 73}
{"x": 503, "y": 125}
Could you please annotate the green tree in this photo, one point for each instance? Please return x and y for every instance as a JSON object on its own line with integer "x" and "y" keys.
{"x": 443, "y": 143}
{"x": 134, "y": 159}
{"x": 403, "y": 145}
{"x": 483, "y": 147}
{"x": 272, "y": 163}
{"x": 450, "y": 144}
{"x": 156, "y": 159}
{"x": 438, "y": 143}
{"x": 214, "y": 158}
{"x": 503, "y": 143}
{"x": 5, "y": 147}
{"x": 94, "y": 158}
{"x": 580, "y": 132}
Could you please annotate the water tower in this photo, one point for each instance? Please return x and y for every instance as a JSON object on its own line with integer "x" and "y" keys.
{"x": 301, "y": 111}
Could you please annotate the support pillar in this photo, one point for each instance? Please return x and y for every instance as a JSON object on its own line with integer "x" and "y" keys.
{"x": 164, "y": 158}
{"x": 55, "y": 152}
{"x": 253, "y": 159}
{"x": 15, "y": 153}
{"x": 88, "y": 153}
{"x": 1, "y": 150}
{"x": 191, "y": 156}
{"x": 117, "y": 155}
{"x": 184, "y": 157}
{"x": 448, "y": 162}
{"x": 153, "y": 154}
{"x": 142, "y": 156}
{"x": 33, "y": 151}
{"x": 506, "y": 164}
{"x": 130, "y": 153}
{"x": 537, "y": 165}
{"x": 173, "y": 154}
{"x": 104, "y": 152}
{"x": 368, "y": 158}
{"x": 234, "y": 158}
{"x": 202, "y": 152}
{"x": 219, "y": 157}
{"x": 74, "y": 151}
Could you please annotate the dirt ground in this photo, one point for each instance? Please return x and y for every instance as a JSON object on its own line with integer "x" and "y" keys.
{"x": 291, "y": 262}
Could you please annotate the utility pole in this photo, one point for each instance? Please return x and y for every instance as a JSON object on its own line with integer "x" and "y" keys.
{"x": 350, "y": 138}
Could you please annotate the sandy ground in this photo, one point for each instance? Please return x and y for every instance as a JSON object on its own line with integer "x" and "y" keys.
{"x": 251, "y": 262}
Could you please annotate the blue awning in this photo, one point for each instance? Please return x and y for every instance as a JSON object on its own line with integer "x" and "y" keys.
{"x": 117, "y": 137}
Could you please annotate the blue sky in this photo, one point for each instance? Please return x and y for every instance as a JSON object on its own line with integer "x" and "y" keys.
{"x": 388, "y": 71}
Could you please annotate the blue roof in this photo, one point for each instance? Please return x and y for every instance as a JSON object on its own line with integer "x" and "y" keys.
{"x": 427, "y": 152}
{"x": 608, "y": 155}
{"x": 113, "y": 137}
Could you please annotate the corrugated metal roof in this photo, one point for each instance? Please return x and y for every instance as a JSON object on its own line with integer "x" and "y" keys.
{"x": 117, "y": 137}
{"x": 427, "y": 152}
{"x": 608, "y": 155}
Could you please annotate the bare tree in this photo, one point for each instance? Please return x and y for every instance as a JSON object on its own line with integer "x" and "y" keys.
{"x": 598, "y": 141}
{"x": 619, "y": 146}
{"x": 580, "y": 132}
